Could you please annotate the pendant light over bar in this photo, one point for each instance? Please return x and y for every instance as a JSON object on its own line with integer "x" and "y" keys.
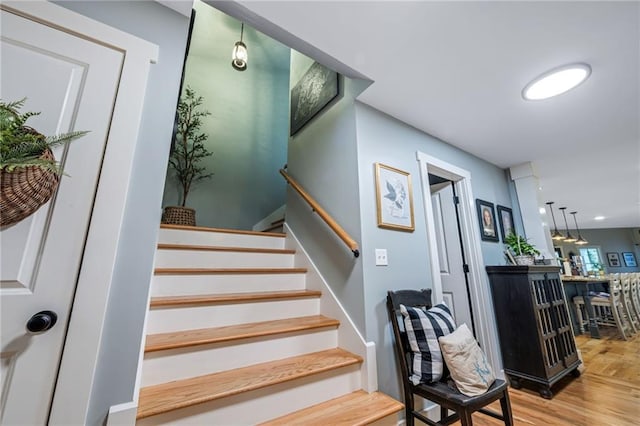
{"x": 556, "y": 235}
{"x": 568, "y": 238}
{"x": 580, "y": 241}
{"x": 239, "y": 56}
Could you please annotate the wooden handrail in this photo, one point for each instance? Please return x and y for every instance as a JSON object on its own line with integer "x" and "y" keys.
{"x": 341, "y": 233}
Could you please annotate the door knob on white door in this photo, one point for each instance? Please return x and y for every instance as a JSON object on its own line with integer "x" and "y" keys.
{"x": 42, "y": 321}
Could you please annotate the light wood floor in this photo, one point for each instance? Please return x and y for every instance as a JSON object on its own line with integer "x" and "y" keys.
{"x": 606, "y": 394}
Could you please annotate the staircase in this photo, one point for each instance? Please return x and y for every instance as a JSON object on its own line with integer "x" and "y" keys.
{"x": 234, "y": 337}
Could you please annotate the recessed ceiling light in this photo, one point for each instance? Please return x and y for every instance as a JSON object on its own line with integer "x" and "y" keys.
{"x": 542, "y": 210}
{"x": 556, "y": 81}
{"x": 598, "y": 218}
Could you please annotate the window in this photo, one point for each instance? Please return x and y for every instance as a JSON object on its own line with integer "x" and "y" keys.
{"x": 591, "y": 259}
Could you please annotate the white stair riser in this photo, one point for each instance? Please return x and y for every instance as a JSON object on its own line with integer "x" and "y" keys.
{"x": 187, "y": 285}
{"x": 222, "y": 239}
{"x": 221, "y": 259}
{"x": 267, "y": 403}
{"x": 175, "y": 364}
{"x": 162, "y": 320}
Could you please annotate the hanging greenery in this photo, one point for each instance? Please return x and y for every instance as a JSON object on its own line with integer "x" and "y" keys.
{"x": 189, "y": 149}
{"x": 22, "y": 146}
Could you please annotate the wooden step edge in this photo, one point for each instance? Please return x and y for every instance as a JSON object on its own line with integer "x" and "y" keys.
{"x": 228, "y": 271}
{"x": 164, "y": 246}
{"x": 358, "y": 408}
{"x": 211, "y": 299}
{"x": 165, "y": 397}
{"x": 223, "y": 231}
{"x": 205, "y": 336}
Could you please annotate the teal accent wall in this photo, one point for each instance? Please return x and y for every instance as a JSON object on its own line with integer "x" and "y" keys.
{"x": 248, "y": 125}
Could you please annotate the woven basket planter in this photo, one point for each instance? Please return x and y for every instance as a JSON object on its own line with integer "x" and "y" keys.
{"x": 25, "y": 189}
{"x": 175, "y": 215}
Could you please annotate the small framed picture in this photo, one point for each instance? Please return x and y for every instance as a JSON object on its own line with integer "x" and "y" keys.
{"x": 614, "y": 260}
{"x": 629, "y": 259}
{"x": 487, "y": 219}
{"x": 505, "y": 218}
{"x": 394, "y": 198}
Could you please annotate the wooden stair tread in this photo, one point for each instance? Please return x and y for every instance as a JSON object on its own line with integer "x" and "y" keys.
{"x": 211, "y": 299}
{"x": 170, "y": 396}
{"x": 228, "y": 271}
{"x": 186, "y": 338}
{"x": 355, "y": 409}
{"x": 164, "y": 246}
{"x": 221, "y": 230}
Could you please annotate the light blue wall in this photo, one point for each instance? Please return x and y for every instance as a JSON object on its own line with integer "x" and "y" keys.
{"x": 609, "y": 240}
{"x": 381, "y": 138}
{"x": 123, "y": 329}
{"x": 248, "y": 128}
{"x": 323, "y": 159}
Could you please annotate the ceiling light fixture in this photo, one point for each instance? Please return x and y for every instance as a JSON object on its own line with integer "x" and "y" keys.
{"x": 568, "y": 238}
{"x": 599, "y": 218}
{"x": 239, "y": 56}
{"x": 580, "y": 241}
{"x": 556, "y": 82}
{"x": 556, "y": 235}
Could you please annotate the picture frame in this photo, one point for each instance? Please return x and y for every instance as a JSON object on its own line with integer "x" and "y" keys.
{"x": 487, "y": 221}
{"x": 394, "y": 198}
{"x": 505, "y": 219}
{"x": 316, "y": 89}
{"x": 629, "y": 259}
{"x": 614, "y": 260}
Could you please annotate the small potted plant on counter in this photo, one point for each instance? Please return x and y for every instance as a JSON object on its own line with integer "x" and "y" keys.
{"x": 523, "y": 252}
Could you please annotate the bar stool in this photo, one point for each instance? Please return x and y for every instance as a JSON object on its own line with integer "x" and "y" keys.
{"x": 635, "y": 293}
{"x": 609, "y": 310}
{"x": 629, "y": 310}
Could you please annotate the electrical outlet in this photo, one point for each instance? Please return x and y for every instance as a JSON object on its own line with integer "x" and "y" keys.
{"x": 381, "y": 257}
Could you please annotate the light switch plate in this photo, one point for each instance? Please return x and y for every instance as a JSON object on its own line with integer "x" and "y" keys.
{"x": 381, "y": 257}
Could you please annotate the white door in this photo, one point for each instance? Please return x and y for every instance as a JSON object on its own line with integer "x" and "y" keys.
{"x": 454, "y": 285}
{"x": 73, "y": 83}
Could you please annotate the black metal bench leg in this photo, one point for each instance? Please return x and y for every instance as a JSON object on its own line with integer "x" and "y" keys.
{"x": 505, "y": 403}
{"x": 465, "y": 417}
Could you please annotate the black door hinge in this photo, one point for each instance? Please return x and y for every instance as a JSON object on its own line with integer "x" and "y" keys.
{"x": 456, "y": 200}
{"x": 465, "y": 268}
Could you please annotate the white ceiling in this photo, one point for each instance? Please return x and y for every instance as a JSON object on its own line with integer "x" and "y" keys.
{"x": 456, "y": 70}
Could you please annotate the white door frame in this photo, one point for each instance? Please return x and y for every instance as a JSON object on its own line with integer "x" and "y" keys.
{"x": 79, "y": 362}
{"x": 481, "y": 302}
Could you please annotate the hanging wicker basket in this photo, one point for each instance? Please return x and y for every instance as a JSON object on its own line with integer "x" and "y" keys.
{"x": 25, "y": 189}
{"x": 175, "y": 215}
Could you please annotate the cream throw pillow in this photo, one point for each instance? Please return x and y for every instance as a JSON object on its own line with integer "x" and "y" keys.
{"x": 467, "y": 363}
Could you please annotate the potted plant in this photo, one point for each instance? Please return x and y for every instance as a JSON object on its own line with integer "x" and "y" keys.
{"x": 521, "y": 249}
{"x": 29, "y": 173}
{"x": 188, "y": 152}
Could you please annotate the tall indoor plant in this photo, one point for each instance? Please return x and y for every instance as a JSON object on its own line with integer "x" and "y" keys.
{"x": 185, "y": 159}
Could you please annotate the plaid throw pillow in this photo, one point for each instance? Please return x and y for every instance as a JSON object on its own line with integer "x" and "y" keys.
{"x": 423, "y": 329}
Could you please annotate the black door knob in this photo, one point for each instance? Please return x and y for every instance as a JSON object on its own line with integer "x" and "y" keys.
{"x": 42, "y": 321}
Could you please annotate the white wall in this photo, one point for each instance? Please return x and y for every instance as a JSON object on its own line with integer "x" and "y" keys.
{"x": 115, "y": 378}
{"x": 381, "y": 138}
{"x": 248, "y": 125}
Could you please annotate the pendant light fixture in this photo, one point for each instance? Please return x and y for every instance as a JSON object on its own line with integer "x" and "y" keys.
{"x": 568, "y": 238}
{"x": 580, "y": 241}
{"x": 239, "y": 55}
{"x": 556, "y": 235}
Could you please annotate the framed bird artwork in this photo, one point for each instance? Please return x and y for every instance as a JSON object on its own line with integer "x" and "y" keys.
{"x": 394, "y": 196}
